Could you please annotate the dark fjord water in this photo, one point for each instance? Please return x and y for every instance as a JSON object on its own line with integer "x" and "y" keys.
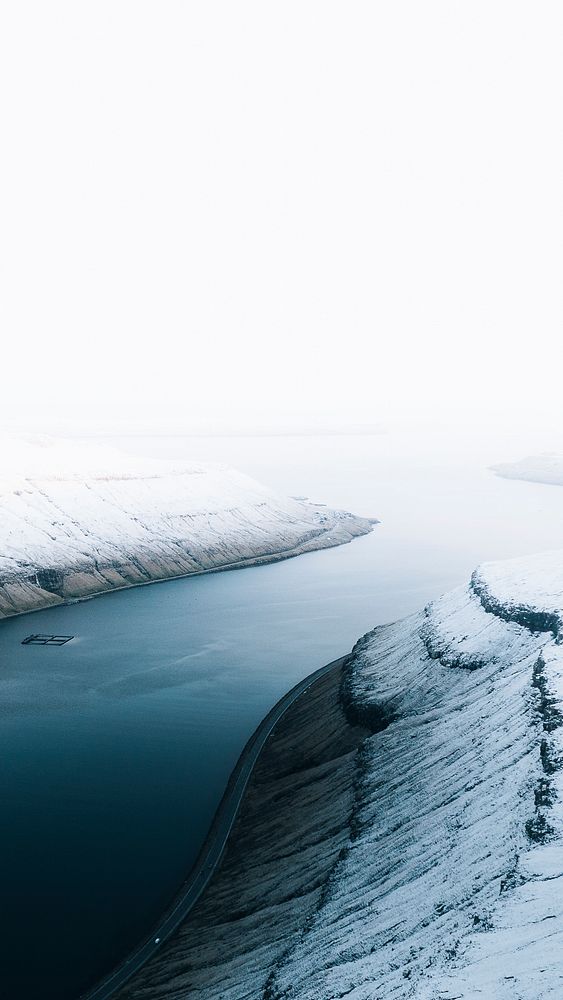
{"x": 115, "y": 749}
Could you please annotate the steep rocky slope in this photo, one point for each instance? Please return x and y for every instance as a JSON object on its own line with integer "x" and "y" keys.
{"x": 439, "y": 874}
{"x": 293, "y": 824}
{"x": 75, "y": 521}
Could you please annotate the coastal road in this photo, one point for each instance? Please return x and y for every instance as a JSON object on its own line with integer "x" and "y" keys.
{"x": 215, "y": 843}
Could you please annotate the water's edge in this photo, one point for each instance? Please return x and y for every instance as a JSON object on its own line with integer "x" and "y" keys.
{"x": 215, "y": 843}
{"x": 331, "y": 538}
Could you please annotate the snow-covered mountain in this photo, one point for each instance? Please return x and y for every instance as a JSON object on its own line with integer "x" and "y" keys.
{"x": 410, "y": 847}
{"x": 451, "y": 883}
{"x": 77, "y": 520}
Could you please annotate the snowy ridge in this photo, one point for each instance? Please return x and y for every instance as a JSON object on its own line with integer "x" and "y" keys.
{"x": 78, "y": 520}
{"x": 451, "y": 885}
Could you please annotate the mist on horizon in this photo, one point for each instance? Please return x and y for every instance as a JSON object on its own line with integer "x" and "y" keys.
{"x": 279, "y": 222}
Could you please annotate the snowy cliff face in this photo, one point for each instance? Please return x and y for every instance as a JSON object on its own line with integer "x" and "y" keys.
{"x": 451, "y": 883}
{"x": 75, "y": 521}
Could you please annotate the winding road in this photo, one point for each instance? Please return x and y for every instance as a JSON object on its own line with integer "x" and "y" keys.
{"x": 214, "y": 845}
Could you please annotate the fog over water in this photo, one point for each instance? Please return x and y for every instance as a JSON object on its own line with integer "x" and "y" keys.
{"x": 290, "y": 215}
{"x": 116, "y": 748}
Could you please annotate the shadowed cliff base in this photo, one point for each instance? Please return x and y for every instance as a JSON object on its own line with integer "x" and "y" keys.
{"x": 293, "y": 824}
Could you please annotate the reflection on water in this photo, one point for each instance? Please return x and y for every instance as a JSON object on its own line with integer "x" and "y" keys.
{"x": 116, "y": 748}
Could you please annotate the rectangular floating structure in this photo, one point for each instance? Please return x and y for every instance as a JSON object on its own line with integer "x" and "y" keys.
{"x": 46, "y": 640}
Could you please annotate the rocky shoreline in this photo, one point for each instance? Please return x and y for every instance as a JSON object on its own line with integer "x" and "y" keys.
{"x": 293, "y": 825}
{"x": 49, "y": 588}
{"x": 83, "y": 522}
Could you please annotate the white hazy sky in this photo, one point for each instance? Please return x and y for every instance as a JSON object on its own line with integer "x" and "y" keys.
{"x": 280, "y": 214}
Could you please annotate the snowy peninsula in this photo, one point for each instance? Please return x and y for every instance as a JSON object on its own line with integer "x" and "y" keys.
{"x": 77, "y": 520}
{"x": 546, "y": 468}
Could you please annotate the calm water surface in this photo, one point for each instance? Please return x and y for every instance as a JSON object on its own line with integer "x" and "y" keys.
{"x": 115, "y": 749}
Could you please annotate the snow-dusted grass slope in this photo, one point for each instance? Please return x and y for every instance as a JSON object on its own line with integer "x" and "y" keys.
{"x": 78, "y": 520}
{"x": 546, "y": 468}
{"x": 451, "y": 885}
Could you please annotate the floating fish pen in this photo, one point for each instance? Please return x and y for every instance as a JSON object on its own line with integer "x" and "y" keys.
{"x": 46, "y": 640}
